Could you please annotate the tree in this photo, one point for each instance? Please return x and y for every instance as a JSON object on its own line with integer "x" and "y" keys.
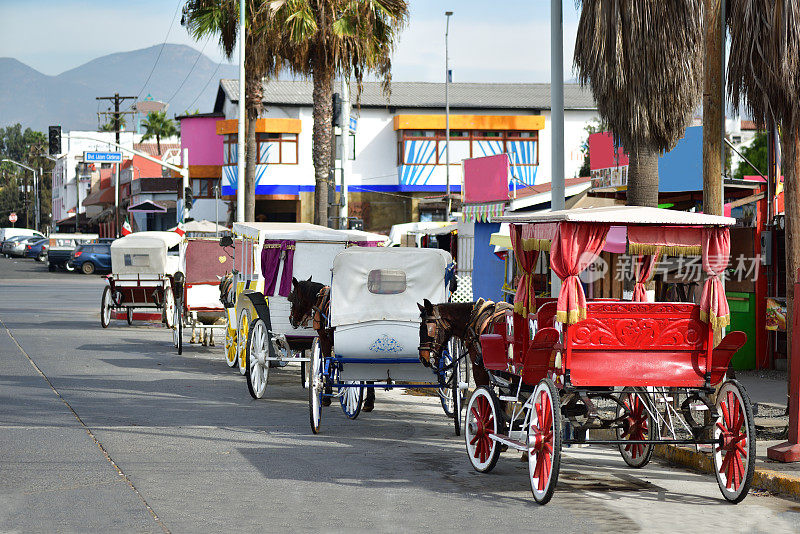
{"x": 756, "y": 152}
{"x": 158, "y": 125}
{"x": 592, "y": 127}
{"x": 110, "y": 127}
{"x": 204, "y": 18}
{"x": 763, "y": 74}
{"x": 325, "y": 38}
{"x": 642, "y": 61}
{"x": 26, "y": 147}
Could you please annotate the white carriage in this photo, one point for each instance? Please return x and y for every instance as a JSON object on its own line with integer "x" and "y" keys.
{"x": 142, "y": 268}
{"x": 258, "y": 315}
{"x": 374, "y": 297}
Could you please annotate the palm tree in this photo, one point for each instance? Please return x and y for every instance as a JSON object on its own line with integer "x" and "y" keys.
{"x": 158, "y": 125}
{"x": 325, "y": 38}
{"x": 110, "y": 127}
{"x": 205, "y": 18}
{"x": 764, "y": 79}
{"x": 641, "y": 59}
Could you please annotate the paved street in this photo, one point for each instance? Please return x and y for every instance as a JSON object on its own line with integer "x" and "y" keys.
{"x": 109, "y": 430}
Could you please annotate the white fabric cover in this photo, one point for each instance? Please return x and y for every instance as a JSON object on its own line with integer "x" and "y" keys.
{"x": 351, "y": 301}
{"x": 203, "y": 296}
{"x": 146, "y": 252}
{"x": 622, "y": 215}
{"x": 301, "y": 232}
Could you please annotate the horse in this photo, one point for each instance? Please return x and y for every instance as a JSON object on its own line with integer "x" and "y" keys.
{"x": 463, "y": 320}
{"x": 310, "y": 302}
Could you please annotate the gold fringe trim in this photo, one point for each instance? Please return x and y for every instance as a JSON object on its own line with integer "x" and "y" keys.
{"x": 571, "y": 317}
{"x": 520, "y": 309}
{"x": 717, "y": 323}
{"x": 669, "y": 250}
{"x": 536, "y": 244}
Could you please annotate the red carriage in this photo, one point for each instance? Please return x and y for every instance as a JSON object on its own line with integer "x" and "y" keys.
{"x": 629, "y": 373}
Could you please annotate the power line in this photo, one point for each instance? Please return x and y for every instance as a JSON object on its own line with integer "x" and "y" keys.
{"x": 199, "y": 55}
{"x": 206, "y": 85}
{"x": 159, "y": 53}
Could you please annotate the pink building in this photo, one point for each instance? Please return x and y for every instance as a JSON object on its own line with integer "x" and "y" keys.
{"x": 199, "y": 135}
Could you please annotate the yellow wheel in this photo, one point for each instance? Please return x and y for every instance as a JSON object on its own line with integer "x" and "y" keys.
{"x": 230, "y": 345}
{"x": 241, "y": 345}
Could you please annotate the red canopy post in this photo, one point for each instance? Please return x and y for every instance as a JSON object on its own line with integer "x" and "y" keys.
{"x": 789, "y": 451}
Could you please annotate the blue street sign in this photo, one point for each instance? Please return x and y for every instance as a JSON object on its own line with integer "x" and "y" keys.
{"x": 353, "y": 124}
{"x": 102, "y": 157}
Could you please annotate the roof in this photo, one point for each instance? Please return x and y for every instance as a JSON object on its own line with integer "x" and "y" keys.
{"x": 301, "y": 232}
{"x": 208, "y": 115}
{"x": 533, "y": 96}
{"x": 148, "y": 239}
{"x": 622, "y": 215}
{"x": 100, "y": 197}
{"x": 151, "y": 149}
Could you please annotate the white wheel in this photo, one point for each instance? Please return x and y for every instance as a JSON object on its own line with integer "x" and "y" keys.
{"x": 544, "y": 440}
{"x": 257, "y": 354}
{"x": 315, "y": 387}
{"x": 169, "y": 307}
{"x": 351, "y": 398}
{"x": 177, "y": 329}
{"x": 105, "y": 307}
{"x": 483, "y": 420}
{"x": 735, "y": 450}
{"x": 638, "y": 424}
{"x": 241, "y": 336}
{"x": 230, "y": 345}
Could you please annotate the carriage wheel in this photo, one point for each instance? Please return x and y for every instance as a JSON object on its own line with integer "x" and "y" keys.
{"x": 177, "y": 330}
{"x": 169, "y": 308}
{"x": 257, "y": 353}
{"x": 230, "y": 345}
{"x": 303, "y": 377}
{"x": 735, "y": 431}
{"x": 315, "y": 387}
{"x": 483, "y": 413}
{"x": 241, "y": 346}
{"x": 544, "y": 441}
{"x": 351, "y": 397}
{"x": 637, "y": 424}
{"x": 105, "y": 307}
{"x": 456, "y": 395}
{"x": 129, "y": 315}
{"x": 446, "y": 378}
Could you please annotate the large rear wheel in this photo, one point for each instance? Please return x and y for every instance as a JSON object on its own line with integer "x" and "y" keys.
{"x": 315, "y": 387}
{"x": 105, "y": 307}
{"x": 544, "y": 441}
{"x": 169, "y": 307}
{"x": 483, "y": 421}
{"x": 735, "y": 450}
{"x": 257, "y": 353}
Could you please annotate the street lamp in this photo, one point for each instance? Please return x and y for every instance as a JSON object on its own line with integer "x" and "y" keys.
{"x": 447, "y": 14}
{"x": 35, "y": 189}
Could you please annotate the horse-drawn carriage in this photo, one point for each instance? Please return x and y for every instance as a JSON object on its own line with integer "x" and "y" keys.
{"x": 198, "y": 306}
{"x": 633, "y": 373}
{"x": 142, "y": 269}
{"x": 266, "y": 258}
{"x": 375, "y": 323}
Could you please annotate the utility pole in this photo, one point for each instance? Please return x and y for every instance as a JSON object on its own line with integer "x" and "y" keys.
{"x": 557, "y": 198}
{"x": 447, "y": 14}
{"x": 117, "y": 100}
{"x": 713, "y": 106}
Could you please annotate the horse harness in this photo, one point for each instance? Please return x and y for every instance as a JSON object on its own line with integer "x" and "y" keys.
{"x": 322, "y": 308}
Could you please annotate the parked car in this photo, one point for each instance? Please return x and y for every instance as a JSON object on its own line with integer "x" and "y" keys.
{"x": 37, "y": 250}
{"x": 12, "y": 246}
{"x": 61, "y": 247}
{"x": 8, "y": 232}
{"x": 92, "y": 258}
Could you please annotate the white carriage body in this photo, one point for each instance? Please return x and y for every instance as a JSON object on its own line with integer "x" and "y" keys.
{"x": 315, "y": 248}
{"x": 374, "y": 297}
{"x": 145, "y": 255}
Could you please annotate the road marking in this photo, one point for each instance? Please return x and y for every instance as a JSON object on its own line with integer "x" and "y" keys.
{"x": 88, "y": 431}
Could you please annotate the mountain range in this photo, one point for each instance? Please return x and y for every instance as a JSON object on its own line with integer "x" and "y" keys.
{"x": 182, "y": 76}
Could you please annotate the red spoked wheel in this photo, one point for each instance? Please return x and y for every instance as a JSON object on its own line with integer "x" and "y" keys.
{"x": 637, "y": 424}
{"x": 483, "y": 413}
{"x": 735, "y": 433}
{"x": 544, "y": 440}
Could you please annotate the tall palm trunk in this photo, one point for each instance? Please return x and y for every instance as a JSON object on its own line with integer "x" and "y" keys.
{"x": 322, "y": 138}
{"x": 643, "y": 177}
{"x": 253, "y": 105}
{"x": 790, "y": 147}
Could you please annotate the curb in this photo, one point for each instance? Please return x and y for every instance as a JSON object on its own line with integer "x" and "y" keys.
{"x": 763, "y": 479}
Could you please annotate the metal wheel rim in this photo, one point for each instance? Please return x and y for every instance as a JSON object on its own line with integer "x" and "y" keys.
{"x": 169, "y": 307}
{"x": 241, "y": 347}
{"x": 351, "y": 398}
{"x": 481, "y": 421}
{"x": 230, "y": 346}
{"x": 315, "y": 387}
{"x": 640, "y": 426}
{"x": 731, "y": 466}
{"x": 106, "y": 306}
{"x": 541, "y": 440}
{"x": 258, "y": 364}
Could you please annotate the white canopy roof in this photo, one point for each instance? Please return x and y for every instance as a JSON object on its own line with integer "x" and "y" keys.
{"x": 164, "y": 239}
{"x": 145, "y": 253}
{"x": 622, "y": 216}
{"x": 351, "y": 300}
{"x": 204, "y": 226}
{"x": 301, "y": 232}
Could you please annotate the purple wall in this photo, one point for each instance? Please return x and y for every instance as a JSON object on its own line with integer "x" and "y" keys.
{"x": 199, "y": 135}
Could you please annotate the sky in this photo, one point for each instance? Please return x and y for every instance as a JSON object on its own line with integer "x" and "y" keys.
{"x": 500, "y": 41}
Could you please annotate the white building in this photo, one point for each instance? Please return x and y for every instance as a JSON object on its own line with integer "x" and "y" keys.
{"x": 398, "y": 146}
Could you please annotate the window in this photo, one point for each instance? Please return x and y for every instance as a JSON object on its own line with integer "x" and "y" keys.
{"x": 386, "y": 281}
{"x": 280, "y": 148}
{"x": 429, "y": 147}
{"x": 136, "y": 260}
{"x": 203, "y": 187}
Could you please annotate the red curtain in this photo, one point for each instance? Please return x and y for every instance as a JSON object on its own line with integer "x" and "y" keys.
{"x": 716, "y": 252}
{"x": 644, "y": 266}
{"x": 525, "y": 297}
{"x": 574, "y": 247}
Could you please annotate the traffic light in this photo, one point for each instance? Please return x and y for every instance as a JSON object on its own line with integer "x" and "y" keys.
{"x": 337, "y": 109}
{"x": 188, "y": 200}
{"x": 54, "y": 140}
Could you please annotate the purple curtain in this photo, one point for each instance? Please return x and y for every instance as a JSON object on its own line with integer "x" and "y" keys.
{"x": 273, "y": 252}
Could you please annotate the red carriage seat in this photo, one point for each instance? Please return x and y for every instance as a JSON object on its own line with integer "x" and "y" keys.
{"x": 539, "y": 358}
{"x": 546, "y": 316}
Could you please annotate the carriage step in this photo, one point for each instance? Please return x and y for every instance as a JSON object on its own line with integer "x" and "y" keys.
{"x": 501, "y": 438}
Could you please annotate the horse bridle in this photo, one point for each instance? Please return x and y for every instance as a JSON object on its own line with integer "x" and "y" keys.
{"x": 433, "y": 348}
{"x": 309, "y": 315}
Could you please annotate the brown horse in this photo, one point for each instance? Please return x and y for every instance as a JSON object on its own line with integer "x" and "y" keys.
{"x": 465, "y": 321}
{"x": 310, "y": 303}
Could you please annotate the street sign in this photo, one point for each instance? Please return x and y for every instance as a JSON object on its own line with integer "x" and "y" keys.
{"x": 102, "y": 157}
{"x": 12, "y": 217}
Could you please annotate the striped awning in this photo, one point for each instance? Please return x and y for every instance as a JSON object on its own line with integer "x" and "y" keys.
{"x": 482, "y": 212}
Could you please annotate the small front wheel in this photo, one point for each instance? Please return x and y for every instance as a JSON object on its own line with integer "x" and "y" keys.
{"x": 241, "y": 336}
{"x": 735, "y": 450}
{"x": 544, "y": 441}
{"x": 169, "y": 308}
{"x": 230, "y": 345}
{"x": 482, "y": 422}
{"x": 637, "y": 424}
{"x": 129, "y": 315}
{"x": 105, "y": 307}
{"x": 351, "y": 398}
{"x": 177, "y": 330}
{"x": 315, "y": 387}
